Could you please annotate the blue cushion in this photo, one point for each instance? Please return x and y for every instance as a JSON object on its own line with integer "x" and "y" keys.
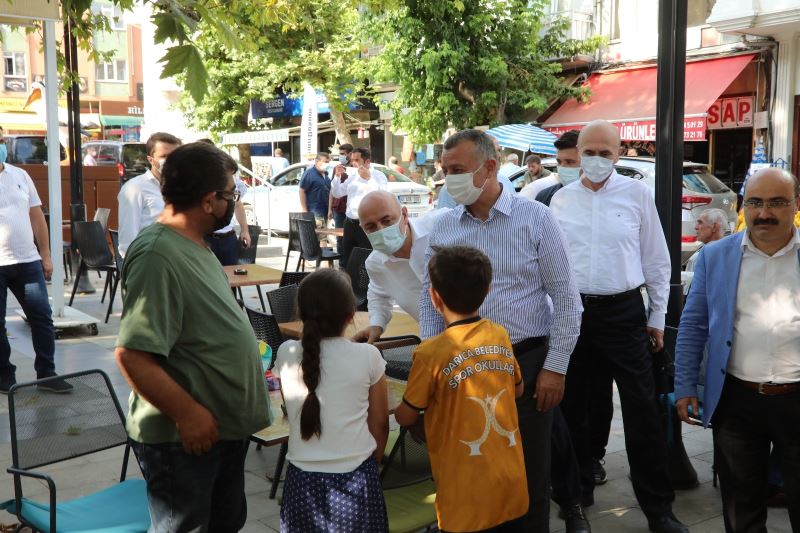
{"x": 121, "y": 508}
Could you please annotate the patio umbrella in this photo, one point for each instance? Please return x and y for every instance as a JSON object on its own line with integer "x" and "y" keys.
{"x": 524, "y": 137}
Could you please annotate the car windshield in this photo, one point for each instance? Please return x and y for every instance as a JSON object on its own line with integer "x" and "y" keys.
{"x": 290, "y": 176}
{"x": 134, "y": 156}
{"x": 696, "y": 179}
{"x": 393, "y": 175}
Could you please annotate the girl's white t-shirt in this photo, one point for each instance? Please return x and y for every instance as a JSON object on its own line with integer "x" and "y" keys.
{"x": 347, "y": 371}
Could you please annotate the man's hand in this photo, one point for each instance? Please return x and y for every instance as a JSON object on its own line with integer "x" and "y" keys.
{"x": 364, "y": 172}
{"x": 368, "y": 335}
{"x": 683, "y": 409}
{"x": 549, "y": 389}
{"x": 198, "y": 430}
{"x": 656, "y": 339}
{"x": 47, "y": 267}
{"x": 245, "y": 239}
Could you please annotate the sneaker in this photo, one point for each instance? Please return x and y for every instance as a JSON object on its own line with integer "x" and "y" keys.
{"x": 6, "y": 382}
{"x": 600, "y": 477}
{"x": 58, "y": 386}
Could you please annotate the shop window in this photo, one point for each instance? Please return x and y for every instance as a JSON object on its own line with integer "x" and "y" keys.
{"x": 115, "y": 70}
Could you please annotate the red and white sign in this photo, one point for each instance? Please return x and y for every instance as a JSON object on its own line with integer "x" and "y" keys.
{"x": 731, "y": 113}
{"x": 694, "y": 129}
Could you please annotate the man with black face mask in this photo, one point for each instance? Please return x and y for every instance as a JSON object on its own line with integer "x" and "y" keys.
{"x": 189, "y": 354}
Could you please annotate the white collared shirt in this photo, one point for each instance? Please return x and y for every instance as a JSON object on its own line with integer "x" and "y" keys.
{"x": 531, "y": 190}
{"x": 356, "y": 188}
{"x": 395, "y": 279}
{"x": 140, "y": 204}
{"x": 766, "y": 327}
{"x": 17, "y": 196}
{"x": 616, "y": 242}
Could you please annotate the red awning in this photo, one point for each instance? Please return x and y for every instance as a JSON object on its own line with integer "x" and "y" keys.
{"x": 628, "y": 98}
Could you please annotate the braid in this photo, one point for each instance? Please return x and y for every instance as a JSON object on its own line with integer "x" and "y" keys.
{"x": 310, "y": 422}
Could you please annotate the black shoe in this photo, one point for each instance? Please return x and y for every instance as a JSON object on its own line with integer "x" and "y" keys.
{"x": 575, "y": 519}
{"x": 666, "y": 524}
{"x": 58, "y": 386}
{"x": 600, "y": 477}
{"x": 6, "y": 382}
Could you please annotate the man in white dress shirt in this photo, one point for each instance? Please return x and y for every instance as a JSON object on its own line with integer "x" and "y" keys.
{"x": 140, "y": 200}
{"x": 396, "y": 265}
{"x": 745, "y": 306}
{"x": 356, "y": 184}
{"x": 617, "y": 245}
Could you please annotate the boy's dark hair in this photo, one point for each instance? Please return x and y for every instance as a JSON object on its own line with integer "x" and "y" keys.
{"x": 568, "y": 139}
{"x": 462, "y": 276}
{"x": 365, "y": 153}
{"x": 163, "y": 137}
{"x": 191, "y": 172}
{"x": 347, "y": 147}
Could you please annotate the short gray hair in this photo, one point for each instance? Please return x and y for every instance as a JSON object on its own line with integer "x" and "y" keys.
{"x": 482, "y": 141}
{"x": 512, "y": 158}
{"x": 715, "y": 216}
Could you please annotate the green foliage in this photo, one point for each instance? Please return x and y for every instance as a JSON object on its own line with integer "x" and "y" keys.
{"x": 464, "y": 64}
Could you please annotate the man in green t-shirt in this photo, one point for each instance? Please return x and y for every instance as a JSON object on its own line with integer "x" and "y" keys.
{"x": 189, "y": 354}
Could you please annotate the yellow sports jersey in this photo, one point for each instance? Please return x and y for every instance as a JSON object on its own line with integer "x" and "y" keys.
{"x": 464, "y": 381}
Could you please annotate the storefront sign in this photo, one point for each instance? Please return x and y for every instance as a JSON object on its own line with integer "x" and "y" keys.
{"x": 731, "y": 113}
{"x": 694, "y": 129}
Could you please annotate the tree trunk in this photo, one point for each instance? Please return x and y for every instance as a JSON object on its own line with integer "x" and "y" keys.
{"x": 339, "y": 124}
{"x": 500, "y": 113}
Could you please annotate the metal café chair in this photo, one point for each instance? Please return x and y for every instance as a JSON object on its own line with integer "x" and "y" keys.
{"x": 247, "y": 256}
{"x": 95, "y": 255}
{"x": 310, "y": 250}
{"x": 294, "y": 236}
{"x": 283, "y": 303}
{"x": 292, "y": 278}
{"x": 359, "y": 277}
{"x": 398, "y": 352}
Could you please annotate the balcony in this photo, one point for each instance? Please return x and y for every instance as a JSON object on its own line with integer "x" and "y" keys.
{"x": 581, "y": 23}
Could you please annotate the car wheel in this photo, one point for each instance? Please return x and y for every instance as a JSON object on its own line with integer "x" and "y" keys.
{"x": 250, "y": 215}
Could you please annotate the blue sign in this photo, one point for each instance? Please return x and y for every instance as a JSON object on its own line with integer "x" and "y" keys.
{"x": 287, "y": 106}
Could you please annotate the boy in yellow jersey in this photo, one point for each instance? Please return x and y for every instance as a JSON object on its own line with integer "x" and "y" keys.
{"x": 466, "y": 380}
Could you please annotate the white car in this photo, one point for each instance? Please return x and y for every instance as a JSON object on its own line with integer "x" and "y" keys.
{"x": 268, "y": 205}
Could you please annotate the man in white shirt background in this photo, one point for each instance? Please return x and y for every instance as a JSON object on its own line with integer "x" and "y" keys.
{"x": 90, "y": 160}
{"x": 23, "y": 269}
{"x": 710, "y": 227}
{"x": 568, "y": 170}
{"x": 278, "y": 162}
{"x": 509, "y": 167}
{"x": 616, "y": 244}
{"x": 745, "y": 305}
{"x": 140, "y": 200}
{"x": 356, "y": 184}
{"x": 396, "y": 265}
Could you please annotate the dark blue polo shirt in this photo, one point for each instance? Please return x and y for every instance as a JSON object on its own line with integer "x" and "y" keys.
{"x": 318, "y": 188}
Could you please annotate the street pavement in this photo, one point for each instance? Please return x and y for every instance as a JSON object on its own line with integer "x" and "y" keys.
{"x": 615, "y": 509}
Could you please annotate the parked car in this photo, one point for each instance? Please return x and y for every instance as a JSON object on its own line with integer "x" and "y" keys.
{"x": 271, "y": 202}
{"x": 28, "y": 149}
{"x": 701, "y": 190}
{"x": 130, "y": 158}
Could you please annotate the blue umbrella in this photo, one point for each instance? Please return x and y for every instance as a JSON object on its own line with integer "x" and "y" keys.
{"x": 524, "y": 137}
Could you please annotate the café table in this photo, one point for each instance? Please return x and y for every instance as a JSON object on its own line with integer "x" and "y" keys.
{"x": 278, "y": 432}
{"x": 256, "y": 275}
{"x": 401, "y": 324}
{"x": 335, "y": 232}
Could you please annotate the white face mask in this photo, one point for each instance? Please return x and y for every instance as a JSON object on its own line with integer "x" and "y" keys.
{"x": 596, "y": 168}
{"x": 462, "y": 189}
{"x": 389, "y": 239}
{"x": 567, "y": 175}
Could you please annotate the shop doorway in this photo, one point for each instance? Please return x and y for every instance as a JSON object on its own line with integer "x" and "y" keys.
{"x": 733, "y": 150}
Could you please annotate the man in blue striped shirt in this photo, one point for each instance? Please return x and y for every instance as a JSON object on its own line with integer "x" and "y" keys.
{"x": 531, "y": 269}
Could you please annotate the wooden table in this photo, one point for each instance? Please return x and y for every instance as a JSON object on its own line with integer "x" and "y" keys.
{"x": 256, "y": 275}
{"x": 401, "y": 324}
{"x": 335, "y": 232}
{"x": 278, "y": 432}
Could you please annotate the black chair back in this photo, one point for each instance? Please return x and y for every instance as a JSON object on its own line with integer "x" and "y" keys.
{"x": 283, "y": 303}
{"x": 398, "y": 352}
{"x": 309, "y": 242}
{"x": 247, "y": 256}
{"x": 407, "y": 464}
{"x": 357, "y": 270}
{"x": 90, "y": 238}
{"x": 294, "y": 231}
{"x": 292, "y": 278}
{"x": 266, "y": 329}
{"x": 118, "y": 259}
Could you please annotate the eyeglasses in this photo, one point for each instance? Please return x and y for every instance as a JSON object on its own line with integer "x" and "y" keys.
{"x": 770, "y": 204}
{"x": 228, "y": 195}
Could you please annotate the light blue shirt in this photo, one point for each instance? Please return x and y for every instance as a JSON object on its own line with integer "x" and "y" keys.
{"x": 445, "y": 200}
{"x": 530, "y": 267}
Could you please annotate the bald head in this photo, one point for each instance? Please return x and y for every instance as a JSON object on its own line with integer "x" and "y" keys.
{"x": 774, "y": 176}
{"x": 378, "y": 206}
{"x": 600, "y": 131}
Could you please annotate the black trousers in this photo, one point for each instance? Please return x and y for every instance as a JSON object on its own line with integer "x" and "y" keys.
{"x": 601, "y": 412}
{"x": 354, "y": 237}
{"x": 565, "y": 476}
{"x": 534, "y": 428}
{"x": 745, "y": 425}
{"x": 613, "y": 339}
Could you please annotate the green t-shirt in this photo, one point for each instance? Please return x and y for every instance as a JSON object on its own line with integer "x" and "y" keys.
{"x": 178, "y": 306}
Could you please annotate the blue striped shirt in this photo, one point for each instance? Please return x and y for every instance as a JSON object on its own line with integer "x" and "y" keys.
{"x": 529, "y": 263}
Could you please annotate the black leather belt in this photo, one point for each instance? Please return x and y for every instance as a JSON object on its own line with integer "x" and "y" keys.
{"x": 526, "y": 345}
{"x": 601, "y": 299}
{"x": 767, "y": 389}
{"x": 223, "y": 235}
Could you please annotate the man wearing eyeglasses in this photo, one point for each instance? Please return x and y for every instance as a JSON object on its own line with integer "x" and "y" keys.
{"x": 224, "y": 242}
{"x": 189, "y": 354}
{"x": 745, "y": 303}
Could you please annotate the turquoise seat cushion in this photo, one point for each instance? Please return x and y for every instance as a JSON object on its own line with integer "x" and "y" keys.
{"x": 121, "y": 508}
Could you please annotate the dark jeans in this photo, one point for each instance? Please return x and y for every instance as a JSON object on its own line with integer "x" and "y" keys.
{"x": 601, "y": 412}
{"x": 203, "y": 493}
{"x": 26, "y": 282}
{"x": 745, "y": 424}
{"x": 613, "y": 339}
{"x": 354, "y": 237}
{"x": 565, "y": 476}
{"x": 338, "y": 221}
{"x": 534, "y": 428}
{"x": 226, "y": 249}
